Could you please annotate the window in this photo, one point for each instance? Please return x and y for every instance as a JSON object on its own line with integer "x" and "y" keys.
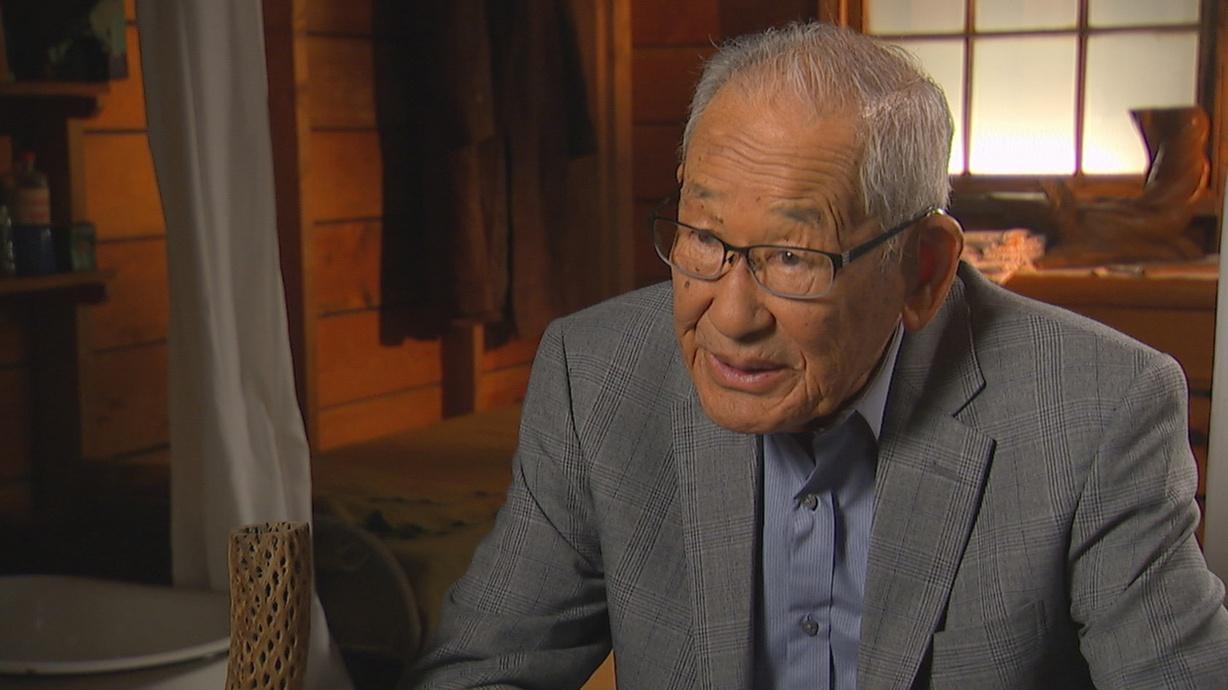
{"x": 1044, "y": 87}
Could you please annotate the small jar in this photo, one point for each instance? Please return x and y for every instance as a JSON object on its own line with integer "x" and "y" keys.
{"x": 33, "y": 250}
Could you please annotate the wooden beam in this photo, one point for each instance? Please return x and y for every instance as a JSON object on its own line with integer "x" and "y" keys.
{"x": 739, "y": 17}
{"x": 839, "y": 12}
{"x": 621, "y": 276}
{"x": 285, "y": 29}
{"x": 604, "y": 32}
{"x": 1213, "y": 92}
{"x": 58, "y": 368}
{"x": 461, "y": 356}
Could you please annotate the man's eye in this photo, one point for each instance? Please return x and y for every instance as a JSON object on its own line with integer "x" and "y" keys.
{"x": 785, "y": 258}
{"x": 703, "y": 237}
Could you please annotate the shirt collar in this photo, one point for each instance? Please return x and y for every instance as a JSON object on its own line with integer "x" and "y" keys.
{"x": 872, "y": 402}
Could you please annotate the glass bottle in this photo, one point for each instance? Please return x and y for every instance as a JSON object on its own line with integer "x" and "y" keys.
{"x": 31, "y": 194}
{"x": 33, "y": 250}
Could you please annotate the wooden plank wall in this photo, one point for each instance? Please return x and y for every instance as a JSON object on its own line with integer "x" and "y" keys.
{"x": 671, "y": 40}
{"x": 365, "y": 383}
{"x": 124, "y": 415}
{"x": 368, "y": 382}
{"x": 365, "y": 386}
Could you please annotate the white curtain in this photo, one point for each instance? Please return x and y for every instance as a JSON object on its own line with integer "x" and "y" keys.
{"x": 1215, "y": 534}
{"x": 238, "y": 450}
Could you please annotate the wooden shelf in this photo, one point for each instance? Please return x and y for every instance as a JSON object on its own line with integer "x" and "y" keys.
{"x": 1195, "y": 289}
{"x": 53, "y": 89}
{"x": 92, "y": 284}
{"x": 47, "y": 117}
{"x": 22, "y": 100}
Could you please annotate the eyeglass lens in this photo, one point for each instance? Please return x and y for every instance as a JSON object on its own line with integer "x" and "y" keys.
{"x": 790, "y": 272}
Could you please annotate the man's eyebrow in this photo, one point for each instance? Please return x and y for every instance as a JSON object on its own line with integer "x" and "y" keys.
{"x": 698, "y": 191}
{"x": 806, "y": 215}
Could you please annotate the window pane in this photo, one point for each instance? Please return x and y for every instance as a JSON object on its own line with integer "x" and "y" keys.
{"x": 914, "y": 16}
{"x": 1015, "y": 15}
{"x": 1134, "y": 12}
{"x": 944, "y": 61}
{"x": 1132, "y": 70}
{"x": 1023, "y": 105}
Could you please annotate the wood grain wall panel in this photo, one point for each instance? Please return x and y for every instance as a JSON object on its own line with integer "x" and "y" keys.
{"x": 137, "y": 307}
{"x": 336, "y": 17}
{"x": 347, "y": 175}
{"x": 656, "y": 160}
{"x": 509, "y": 354}
{"x": 123, "y": 199}
{"x": 745, "y": 16}
{"x": 14, "y": 424}
{"x": 14, "y": 333}
{"x": 130, "y": 11}
{"x": 354, "y": 364}
{"x": 123, "y": 106}
{"x": 663, "y": 79}
{"x": 345, "y": 265}
{"x": 374, "y": 417}
{"x": 695, "y": 22}
{"x": 503, "y": 387}
{"x": 359, "y": 18}
{"x": 126, "y": 408}
{"x": 342, "y": 90}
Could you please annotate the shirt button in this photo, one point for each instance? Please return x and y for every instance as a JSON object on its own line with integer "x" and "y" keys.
{"x": 810, "y": 627}
{"x": 810, "y": 501}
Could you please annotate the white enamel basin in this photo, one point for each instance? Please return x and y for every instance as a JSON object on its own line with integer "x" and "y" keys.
{"x": 60, "y": 626}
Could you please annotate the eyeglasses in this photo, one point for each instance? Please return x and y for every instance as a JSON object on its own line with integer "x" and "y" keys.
{"x": 784, "y": 271}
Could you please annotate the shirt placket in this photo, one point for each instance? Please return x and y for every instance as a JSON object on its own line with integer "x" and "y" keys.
{"x": 810, "y": 591}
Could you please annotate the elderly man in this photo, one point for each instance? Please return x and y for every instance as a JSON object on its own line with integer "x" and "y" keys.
{"x": 849, "y": 460}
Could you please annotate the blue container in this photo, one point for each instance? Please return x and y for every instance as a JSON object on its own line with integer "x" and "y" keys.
{"x": 33, "y": 250}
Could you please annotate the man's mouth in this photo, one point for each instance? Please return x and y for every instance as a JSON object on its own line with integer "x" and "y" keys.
{"x": 750, "y": 375}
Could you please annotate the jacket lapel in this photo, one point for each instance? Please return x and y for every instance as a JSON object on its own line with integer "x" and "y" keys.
{"x": 931, "y": 473}
{"x": 718, "y": 479}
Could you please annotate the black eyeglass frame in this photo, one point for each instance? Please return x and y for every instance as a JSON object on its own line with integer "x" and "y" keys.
{"x": 838, "y": 261}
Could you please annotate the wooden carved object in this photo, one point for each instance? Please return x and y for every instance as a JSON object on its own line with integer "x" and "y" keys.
{"x": 1147, "y": 227}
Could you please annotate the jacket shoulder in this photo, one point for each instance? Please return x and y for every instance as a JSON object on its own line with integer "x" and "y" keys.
{"x": 1001, "y": 316}
{"x": 629, "y": 327}
{"x": 624, "y": 345}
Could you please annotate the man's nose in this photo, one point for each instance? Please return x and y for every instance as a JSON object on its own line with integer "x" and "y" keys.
{"x": 737, "y": 308}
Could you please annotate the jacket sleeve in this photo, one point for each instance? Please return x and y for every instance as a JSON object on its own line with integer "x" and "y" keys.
{"x": 531, "y": 609}
{"x": 1150, "y": 612}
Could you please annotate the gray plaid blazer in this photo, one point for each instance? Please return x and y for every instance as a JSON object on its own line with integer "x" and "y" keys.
{"x": 1034, "y": 523}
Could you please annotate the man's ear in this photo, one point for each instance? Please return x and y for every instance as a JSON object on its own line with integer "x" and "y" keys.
{"x": 678, "y": 173}
{"x": 937, "y": 242}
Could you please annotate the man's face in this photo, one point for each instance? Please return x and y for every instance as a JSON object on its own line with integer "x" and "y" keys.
{"x": 770, "y": 172}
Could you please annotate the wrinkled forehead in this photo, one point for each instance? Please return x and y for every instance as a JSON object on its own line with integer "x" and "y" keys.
{"x": 776, "y": 157}
{"x": 754, "y": 129}
{"x": 746, "y": 103}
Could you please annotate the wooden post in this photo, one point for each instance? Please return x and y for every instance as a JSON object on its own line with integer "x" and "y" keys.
{"x": 461, "y": 351}
{"x": 285, "y": 29}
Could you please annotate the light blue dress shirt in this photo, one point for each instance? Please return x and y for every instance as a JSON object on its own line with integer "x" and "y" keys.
{"x": 818, "y": 508}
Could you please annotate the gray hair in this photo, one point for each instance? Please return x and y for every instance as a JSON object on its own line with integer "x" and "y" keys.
{"x": 903, "y": 124}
